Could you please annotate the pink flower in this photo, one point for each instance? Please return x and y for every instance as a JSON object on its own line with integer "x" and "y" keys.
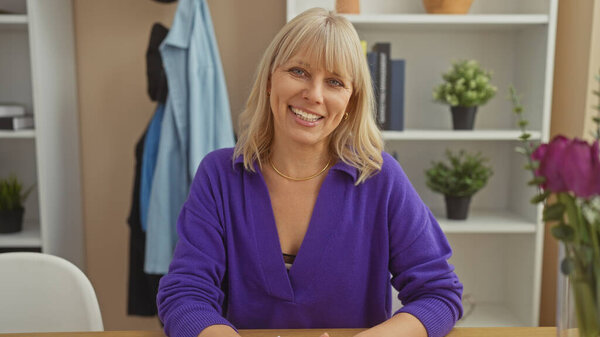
{"x": 580, "y": 168}
{"x": 550, "y": 158}
{"x": 569, "y": 165}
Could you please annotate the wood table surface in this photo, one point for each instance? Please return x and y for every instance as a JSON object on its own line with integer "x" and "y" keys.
{"x": 456, "y": 332}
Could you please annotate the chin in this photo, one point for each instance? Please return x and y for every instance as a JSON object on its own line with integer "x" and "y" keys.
{"x": 306, "y": 141}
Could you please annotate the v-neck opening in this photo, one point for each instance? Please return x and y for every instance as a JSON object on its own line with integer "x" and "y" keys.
{"x": 308, "y": 229}
{"x": 323, "y": 223}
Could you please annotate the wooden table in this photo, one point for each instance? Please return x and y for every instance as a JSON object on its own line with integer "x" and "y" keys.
{"x": 457, "y": 332}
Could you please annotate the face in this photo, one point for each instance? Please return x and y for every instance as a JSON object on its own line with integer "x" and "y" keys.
{"x": 307, "y": 101}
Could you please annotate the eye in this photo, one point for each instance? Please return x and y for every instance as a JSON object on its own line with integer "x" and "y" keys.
{"x": 336, "y": 83}
{"x": 297, "y": 71}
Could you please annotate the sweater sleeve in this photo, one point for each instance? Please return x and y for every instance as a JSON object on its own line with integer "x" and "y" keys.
{"x": 190, "y": 297}
{"x": 419, "y": 252}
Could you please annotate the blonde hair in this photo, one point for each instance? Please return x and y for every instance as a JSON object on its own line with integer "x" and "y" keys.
{"x": 330, "y": 40}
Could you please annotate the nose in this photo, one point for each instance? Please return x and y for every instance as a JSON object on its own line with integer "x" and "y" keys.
{"x": 313, "y": 92}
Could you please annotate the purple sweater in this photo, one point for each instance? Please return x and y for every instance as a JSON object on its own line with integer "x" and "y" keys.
{"x": 228, "y": 266}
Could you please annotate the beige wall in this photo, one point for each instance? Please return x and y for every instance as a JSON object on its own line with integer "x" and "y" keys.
{"x": 111, "y": 41}
{"x": 594, "y": 68}
{"x": 111, "y": 38}
{"x": 577, "y": 58}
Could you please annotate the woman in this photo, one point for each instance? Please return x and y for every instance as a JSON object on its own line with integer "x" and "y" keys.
{"x": 301, "y": 224}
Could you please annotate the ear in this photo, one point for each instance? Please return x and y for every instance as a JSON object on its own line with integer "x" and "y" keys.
{"x": 351, "y": 107}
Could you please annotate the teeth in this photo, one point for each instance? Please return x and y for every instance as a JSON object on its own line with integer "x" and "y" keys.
{"x": 305, "y": 115}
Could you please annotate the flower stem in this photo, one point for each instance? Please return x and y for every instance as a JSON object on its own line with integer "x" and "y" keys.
{"x": 527, "y": 145}
{"x": 597, "y": 107}
{"x": 585, "y": 303}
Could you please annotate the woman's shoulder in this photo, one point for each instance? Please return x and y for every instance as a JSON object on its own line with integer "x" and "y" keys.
{"x": 216, "y": 161}
{"x": 220, "y": 155}
{"x": 390, "y": 174}
{"x": 390, "y": 168}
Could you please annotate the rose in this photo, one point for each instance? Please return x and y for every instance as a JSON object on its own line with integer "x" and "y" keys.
{"x": 550, "y": 158}
{"x": 569, "y": 165}
{"x": 582, "y": 168}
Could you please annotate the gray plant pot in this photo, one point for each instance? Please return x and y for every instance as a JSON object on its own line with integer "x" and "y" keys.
{"x": 457, "y": 208}
{"x": 11, "y": 221}
{"x": 463, "y": 117}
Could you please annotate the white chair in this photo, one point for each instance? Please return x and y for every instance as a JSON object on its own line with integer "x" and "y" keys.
{"x": 45, "y": 293}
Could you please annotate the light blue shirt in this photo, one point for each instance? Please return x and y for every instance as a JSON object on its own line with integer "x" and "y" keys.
{"x": 197, "y": 120}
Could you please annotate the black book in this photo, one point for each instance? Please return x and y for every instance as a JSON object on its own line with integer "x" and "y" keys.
{"x": 16, "y": 123}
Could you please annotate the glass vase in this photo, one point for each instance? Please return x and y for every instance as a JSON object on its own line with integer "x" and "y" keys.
{"x": 577, "y": 313}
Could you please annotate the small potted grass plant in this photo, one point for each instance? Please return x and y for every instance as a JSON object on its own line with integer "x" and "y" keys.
{"x": 465, "y": 87}
{"x": 458, "y": 181}
{"x": 12, "y": 198}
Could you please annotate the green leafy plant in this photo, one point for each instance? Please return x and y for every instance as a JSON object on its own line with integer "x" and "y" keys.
{"x": 465, "y": 84}
{"x": 463, "y": 176}
{"x": 12, "y": 195}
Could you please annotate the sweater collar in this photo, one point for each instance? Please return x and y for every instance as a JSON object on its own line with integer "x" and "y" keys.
{"x": 339, "y": 166}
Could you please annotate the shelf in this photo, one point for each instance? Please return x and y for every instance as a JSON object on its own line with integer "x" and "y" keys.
{"x": 13, "y": 22}
{"x": 491, "y": 315}
{"x": 17, "y": 134}
{"x": 457, "y": 135}
{"x": 485, "y": 221}
{"x": 30, "y": 236}
{"x": 474, "y": 22}
{"x": 11, "y": 19}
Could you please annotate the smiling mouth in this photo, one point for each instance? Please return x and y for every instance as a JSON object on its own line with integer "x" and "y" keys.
{"x": 305, "y": 115}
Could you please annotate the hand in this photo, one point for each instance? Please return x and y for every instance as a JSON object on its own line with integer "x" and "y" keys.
{"x": 372, "y": 332}
{"x": 218, "y": 331}
{"x": 365, "y": 333}
{"x": 325, "y": 335}
{"x": 402, "y": 324}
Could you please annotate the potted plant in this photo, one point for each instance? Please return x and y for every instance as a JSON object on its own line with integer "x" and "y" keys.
{"x": 566, "y": 172}
{"x": 12, "y": 198}
{"x": 447, "y": 6}
{"x": 466, "y": 86}
{"x": 458, "y": 181}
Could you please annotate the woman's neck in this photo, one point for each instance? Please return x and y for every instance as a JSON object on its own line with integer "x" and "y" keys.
{"x": 299, "y": 161}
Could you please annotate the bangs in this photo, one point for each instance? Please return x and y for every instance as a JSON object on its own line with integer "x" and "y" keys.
{"x": 325, "y": 47}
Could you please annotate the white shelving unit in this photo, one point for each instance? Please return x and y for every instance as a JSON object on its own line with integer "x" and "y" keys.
{"x": 486, "y": 221}
{"x": 498, "y": 249}
{"x": 37, "y": 70}
{"x": 25, "y": 134}
{"x": 449, "y": 135}
{"x": 14, "y": 19}
{"x": 28, "y": 238}
{"x": 452, "y": 22}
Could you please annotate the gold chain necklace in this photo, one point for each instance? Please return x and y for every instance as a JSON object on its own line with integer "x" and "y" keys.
{"x": 299, "y": 179}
